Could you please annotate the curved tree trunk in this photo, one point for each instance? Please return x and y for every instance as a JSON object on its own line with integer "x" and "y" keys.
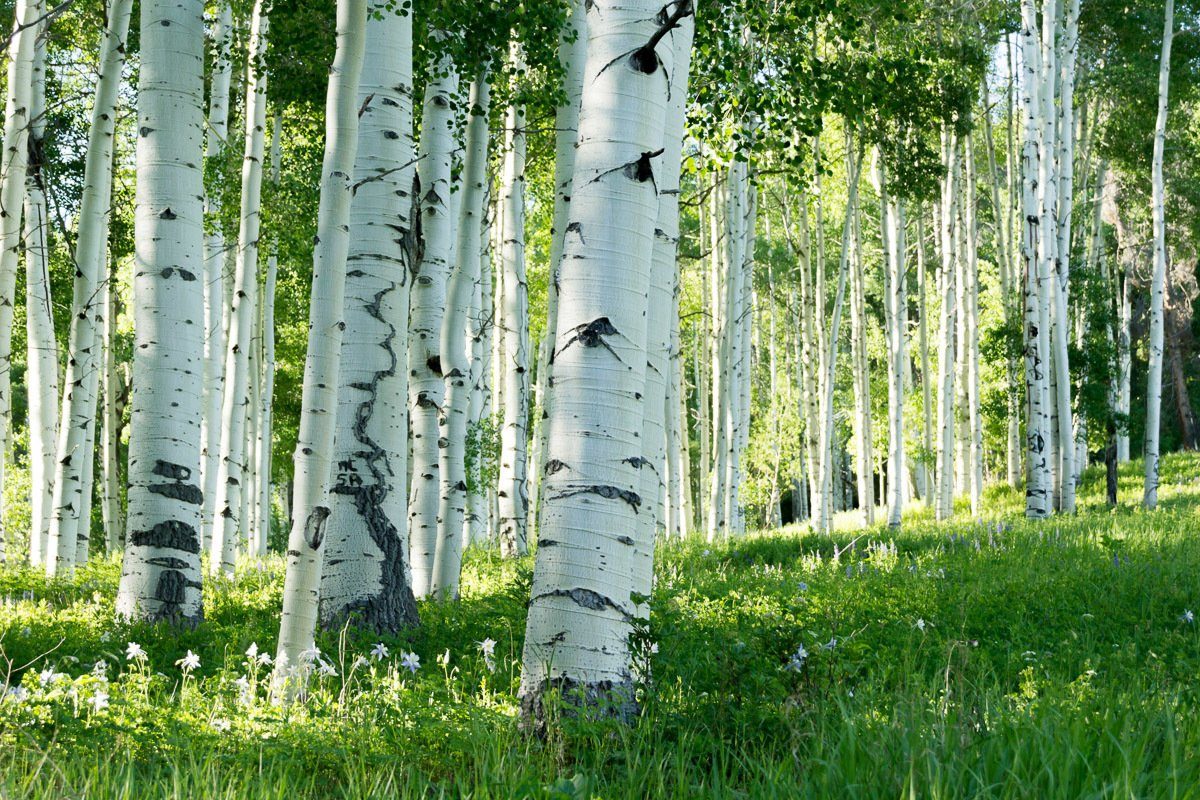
{"x": 234, "y": 484}
{"x": 1157, "y": 288}
{"x": 581, "y": 613}
{"x": 314, "y": 447}
{"x": 160, "y": 578}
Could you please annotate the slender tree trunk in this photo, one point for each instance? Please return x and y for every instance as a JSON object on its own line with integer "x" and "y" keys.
{"x": 41, "y": 375}
{"x": 970, "y": 311}
{"x": 1157, "y": 288}
{"x": 1068, "y": 45}
{"x": 1037, "y": 479}
{"x": 160, "y": 578}
{"x": 214, "y": 273}
{"x": 897, "y": 304}
{"x": 426, "y": 386}
{"x": 1124, "y": 361}
{"x": 114, "y": 390}
{"x": 944, "y": 507}
{"x": 314, "y": 448}
{"x": 367, "y": 573}
{"x": 456, "y": 335}
{"x": 267, "y": 395}
{"x": 581, "y": 611}
{"x": 514, "y": 490}
{"x": 860, "y": 366}
{"x": 234, "y": 485}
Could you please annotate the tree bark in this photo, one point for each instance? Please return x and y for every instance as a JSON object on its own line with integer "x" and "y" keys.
{"x": 160, "y": 577}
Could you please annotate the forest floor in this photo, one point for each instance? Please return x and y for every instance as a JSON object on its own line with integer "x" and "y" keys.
{"x": 995, "y": 658}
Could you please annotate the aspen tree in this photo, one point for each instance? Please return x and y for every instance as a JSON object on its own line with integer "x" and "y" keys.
{"x": 234, "y": 484}
{"x": 367, "y": 569}
{"x": 214, "y": 270}
{"x": 13, "y": 165}
{"x": 944, "y": 507}
{"x": 581, "y": 612}
{"x": 160, "y": 576}
{"x": 314, "y": 448}
{"x": 427, "y": 302}
{"x": 456, "y": 336}
{"x": 266, "y": 398}
{"x": 1155, "y": 357}
{"x": 513, "y": 492}
{"x": 41, "y": 375}
{"x": 113, "y": 407}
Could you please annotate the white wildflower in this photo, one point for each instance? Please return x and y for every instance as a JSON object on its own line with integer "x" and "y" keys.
{"x": 99, "y": 701}
{"x": 410, "y": 661}
{"x": 189, "y": 662}
{"x": 379, "y": 652}
{"x": 134, "y": 652}
{"x": 221, "y": 725}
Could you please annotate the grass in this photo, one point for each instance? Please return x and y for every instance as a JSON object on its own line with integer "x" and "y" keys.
{"x": 997, "y": 658}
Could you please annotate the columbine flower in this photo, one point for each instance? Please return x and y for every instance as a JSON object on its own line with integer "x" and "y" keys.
{"x": 48, "y": 676}
{"x": 310, "y": 655}
{"x": 99, "y": 701}
{"x": 444, "y": 659}
{"x": 359, "y": 663}
{"x": 134, "y": 652}
{"x": 487, "y": 647}
{"x": 100, "y": 670}
{"x": 252, "y": 651}
{"x": 796, "y": 663}
{"x": 220, "y": 725}
{"x": 1188, "y": 617}
{"x": 189, "y": 662}
{"x": 832, "y": 643}
{"x": 326, "y": 669}
{"x": 264, "y": 659}
{"x": 410, "y": 661}
{"x": 18, "y": 694}
{"x": 921, "y": 625}
{"x": 379, "y": 652}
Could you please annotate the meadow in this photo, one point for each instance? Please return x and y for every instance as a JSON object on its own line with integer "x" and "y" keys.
{"x": 991, "y": 658}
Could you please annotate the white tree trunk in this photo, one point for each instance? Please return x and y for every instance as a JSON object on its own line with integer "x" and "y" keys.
{"x": 829, "y": 362}
{"x": 113, "y": 387}
{"x": 314, "y": 448}
{"x": 970, "y": 312}
{"x": 160, "y": 578}
{"x": 1068, "y": 47}
{"x": 366, "y": 573}
{"x": 1155, "y": 354}
{"x": 927, "y": 471}
{"x": 514, "y": 491}
{"x": 572, "y": 52}
{"x": 267, "y": 395}
{"x": 456, "y": 336}
{"x": 1037, "y": 478}
{"x": 426, "y": 387}
{"x": 234, "y": 484}
{"x": 860, "y": 366}
{"x": 897, "y": 303}
{"x": 944, "y": 508}
{"x": 41, "y": 375}
{"x": 1124, "y": 362}
{"x": 581, "y": 612}
{"x": 214, "y": 272}
{"x": 13, "y": 165}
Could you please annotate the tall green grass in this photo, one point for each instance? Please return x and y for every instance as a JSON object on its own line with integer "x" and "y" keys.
{"x": 998, "y": 658}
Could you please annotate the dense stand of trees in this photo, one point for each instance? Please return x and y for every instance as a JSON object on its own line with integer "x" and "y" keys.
{"x": 572, "y": 278}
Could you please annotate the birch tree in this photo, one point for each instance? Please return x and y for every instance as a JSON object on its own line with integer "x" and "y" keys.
{"x": 944, "y": 508}
{"x": 160, "y": 576}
